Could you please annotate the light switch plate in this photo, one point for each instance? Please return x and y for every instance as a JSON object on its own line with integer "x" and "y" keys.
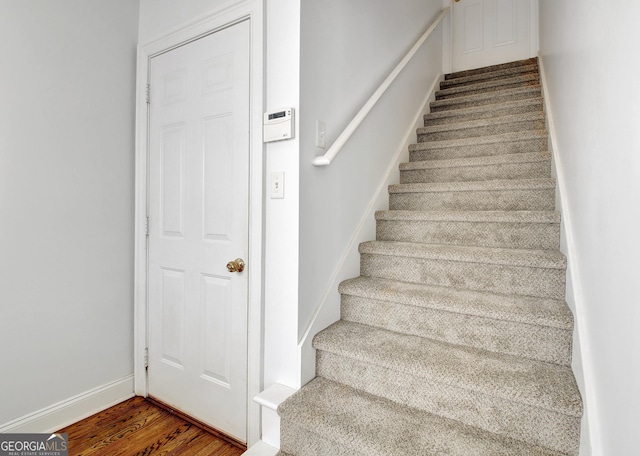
{"x": 277, "y": 185}
{"x": 320, "y": 134}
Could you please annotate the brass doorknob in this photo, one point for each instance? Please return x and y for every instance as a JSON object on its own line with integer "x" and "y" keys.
{"x": 236, "y": 265}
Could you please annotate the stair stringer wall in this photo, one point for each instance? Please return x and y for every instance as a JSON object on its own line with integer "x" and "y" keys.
{"x": 573, "y": 295}
{"x": 328, "y": 311}
{"x": 333, "y": 87}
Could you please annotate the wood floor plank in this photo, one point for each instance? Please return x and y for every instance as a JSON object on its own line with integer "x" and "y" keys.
{"x": 147, "y": 416}
{"x": 196, "y": 422}
{"x": 91, "y": 431}
{"x": 149, "y": 441}
{"x": 217, "y": 450}
{"x": 141, "y": 428}
{"x": 191, "y": 441}
{"x": 202, "y": 443}
{"x": 109, "y": 418}
{"x": 97, "y": 423}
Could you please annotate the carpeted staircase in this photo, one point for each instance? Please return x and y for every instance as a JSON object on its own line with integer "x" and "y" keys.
{"x": 456, "y": 338}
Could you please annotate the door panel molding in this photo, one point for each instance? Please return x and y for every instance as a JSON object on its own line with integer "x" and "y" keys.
{"x": 488, "y": 32}
{"x": 215, "y": 20}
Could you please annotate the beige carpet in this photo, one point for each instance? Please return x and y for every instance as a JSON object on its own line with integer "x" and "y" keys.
{"x": 456, "y": 338}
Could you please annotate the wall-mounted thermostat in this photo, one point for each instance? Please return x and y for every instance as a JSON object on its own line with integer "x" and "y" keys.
{"x": 278, "y": 125}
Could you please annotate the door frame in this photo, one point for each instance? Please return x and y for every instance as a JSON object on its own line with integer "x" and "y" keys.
{"x": 230, "y": 14}
{"x": 534, "y": 42}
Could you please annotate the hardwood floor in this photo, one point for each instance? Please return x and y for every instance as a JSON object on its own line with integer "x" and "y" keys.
{"x": 139, "y": 427}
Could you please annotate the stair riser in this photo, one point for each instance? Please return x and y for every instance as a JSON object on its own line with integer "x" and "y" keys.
{"x": 526, "y": 423}
{"x": 493, "y": 76}
{"x": 495, "y": 129}
{"x": 496, "y": 111}
{"x": 529, "y": 341}
{"x": 486, "y": 99}
{"x": 504, "y": 279}
{"x": 298, "y": 441}
{"x": 480, "y": 150}
{"x": 540, "y": 169}
{"x": 503, "y": 66}
{"x": 463, "y": 91}
{"x": 500, "y": 200}
{"x": 500, "y": 235}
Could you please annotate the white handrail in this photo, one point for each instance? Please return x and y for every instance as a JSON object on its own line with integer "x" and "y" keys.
{"x": 325, "y": 160}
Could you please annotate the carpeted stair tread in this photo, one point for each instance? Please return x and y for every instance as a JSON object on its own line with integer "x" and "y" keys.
{"x": 529, "y": 157}
{"x": 489, "y": 140}
{"x": 473, "y": 216}
{"x": 502, "y": 229}
{"x": 517, "y": 420}
{"x": 509, "y": 166}
{"x": 492, "y": 68}
{"x": 449, "y": 315}
{"x": 534, "y": 194}
{"x": 486, "y": 98}
{"x": 470, "y": 124}
{"x": 520, "y": 309}
{"x": 496, "y": 74}
{"x": 542, "y": 385}
{"x": 488, "y": 85}
{"x": 504, "y": 271}
{"x": 474, "y": 186}
{"x": 502, "y": 144}
{"x": 499, "y": 95}
{"x": 468, "y": 130}
{"x": 366, "y": 425}
{"x": 548, "y": 259}
{"x": 484, "y": 112}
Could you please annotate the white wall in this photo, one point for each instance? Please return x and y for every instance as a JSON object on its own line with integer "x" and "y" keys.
{"x": 281, "y": 363}
{"x": 347, "y": 50}
{"x": 589, "y": 50}
{"x": 66, "y": 199}
{"x": 157, "y": 17}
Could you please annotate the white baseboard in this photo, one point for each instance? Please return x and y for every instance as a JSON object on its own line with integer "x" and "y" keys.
{"x": 589, "y": 438}
{"x": 71, "y": 410}
{"x": 261, "y": 449}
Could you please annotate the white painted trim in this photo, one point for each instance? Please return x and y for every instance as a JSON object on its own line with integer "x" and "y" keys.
{"x": 216, "y": 19}
{"x": 261, "y": 449}
{"x": 275, "y": 395}
{"x": 585, "y": 337}
{"x": 318, "y": 321}
{"x": 447, "y": 39}
{"x": 336, "y": 147}
{"x": 270, "y": 399}
{"x": 74, "y": 409}
{"x": 534, "y": 28}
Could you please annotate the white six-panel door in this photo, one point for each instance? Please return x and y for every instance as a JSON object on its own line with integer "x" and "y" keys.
{"x": 198, "y": 208}
{"x": 489, "y": 32}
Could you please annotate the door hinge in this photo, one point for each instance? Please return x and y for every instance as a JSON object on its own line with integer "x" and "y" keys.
{"x": 146, "y": 358}
{"x": 148, "y": 93}
{"x": 146, "y": 226}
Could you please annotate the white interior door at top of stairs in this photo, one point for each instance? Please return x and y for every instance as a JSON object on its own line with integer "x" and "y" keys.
{"x": 198, "y": 209}
{"x": 490, "y": 32}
